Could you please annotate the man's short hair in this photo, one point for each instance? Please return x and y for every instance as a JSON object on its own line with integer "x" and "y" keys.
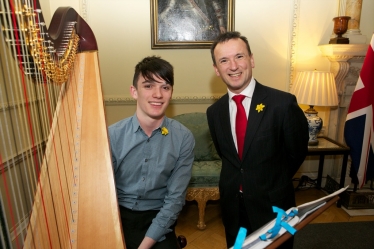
{"x": 152, "y": 66}
{"x": 224, "y": 37}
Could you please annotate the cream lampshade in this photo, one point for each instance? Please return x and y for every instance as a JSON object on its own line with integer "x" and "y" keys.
{"x": 315, "y": 88}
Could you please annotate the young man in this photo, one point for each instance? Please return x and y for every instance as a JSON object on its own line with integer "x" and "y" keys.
{"x": 152, "y": 159}
{"x": 274, "y": 142}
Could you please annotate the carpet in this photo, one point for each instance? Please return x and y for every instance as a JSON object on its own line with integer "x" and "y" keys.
{"x": 341, "y": 235}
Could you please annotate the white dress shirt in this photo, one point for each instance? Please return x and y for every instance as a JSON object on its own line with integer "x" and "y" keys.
{"x": 248, "y": 93}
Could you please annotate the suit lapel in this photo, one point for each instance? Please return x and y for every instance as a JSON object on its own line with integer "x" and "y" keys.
{"x": 254, "y": 117}
{"x": 224, "y": 119}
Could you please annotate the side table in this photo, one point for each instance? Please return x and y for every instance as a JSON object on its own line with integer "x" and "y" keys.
{"x": 327, "y": 146}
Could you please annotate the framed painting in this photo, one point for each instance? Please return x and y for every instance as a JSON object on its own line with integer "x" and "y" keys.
{"x": 188, "y": 24}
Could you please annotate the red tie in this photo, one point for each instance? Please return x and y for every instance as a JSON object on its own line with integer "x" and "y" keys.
{"x": 241, "y": 123}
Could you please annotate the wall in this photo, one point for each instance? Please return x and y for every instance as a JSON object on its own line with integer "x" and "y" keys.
{"x": 284, "y": 37}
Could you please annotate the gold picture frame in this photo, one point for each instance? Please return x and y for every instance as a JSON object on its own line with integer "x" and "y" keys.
{"x": 189, "y": 24}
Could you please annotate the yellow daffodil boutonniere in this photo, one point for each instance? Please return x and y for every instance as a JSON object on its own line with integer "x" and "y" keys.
{"x": 260, "y": 107}
{"x": 164, "y": 131}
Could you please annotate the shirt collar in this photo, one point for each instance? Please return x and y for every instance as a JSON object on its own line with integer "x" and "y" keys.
{"x": 136, "y": 125}
{"x": 164, "y": 123}
{"x": 248, "y": 91}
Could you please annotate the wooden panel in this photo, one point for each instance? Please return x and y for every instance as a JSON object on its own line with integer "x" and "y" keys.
{"x": 98, "y": 209}
{"x": 76, "y": 204}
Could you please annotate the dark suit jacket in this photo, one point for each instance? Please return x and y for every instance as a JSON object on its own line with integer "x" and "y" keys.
{"x": 275, "y": 146}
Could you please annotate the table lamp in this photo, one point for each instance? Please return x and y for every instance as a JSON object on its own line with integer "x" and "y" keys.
{"x": 315, "y": 88}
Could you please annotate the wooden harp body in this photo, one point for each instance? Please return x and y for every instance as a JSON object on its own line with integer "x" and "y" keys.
{"x": 57, "y": 185}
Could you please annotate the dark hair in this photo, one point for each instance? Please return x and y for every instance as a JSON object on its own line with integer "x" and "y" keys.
{"x": 226, "y": 37}
{"x": 154, "y": 66}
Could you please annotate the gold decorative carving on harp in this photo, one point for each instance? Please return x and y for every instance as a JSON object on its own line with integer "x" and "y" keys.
{"x": 56, "y": 178}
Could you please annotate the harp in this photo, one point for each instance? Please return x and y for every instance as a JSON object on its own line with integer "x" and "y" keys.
{"x": 56, "y": 179}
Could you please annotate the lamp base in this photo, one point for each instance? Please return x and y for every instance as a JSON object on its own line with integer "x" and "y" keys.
{"x": 314, "y": 124}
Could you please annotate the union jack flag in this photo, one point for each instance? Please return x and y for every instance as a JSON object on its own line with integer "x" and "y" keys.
{"x": 358, "y": 130}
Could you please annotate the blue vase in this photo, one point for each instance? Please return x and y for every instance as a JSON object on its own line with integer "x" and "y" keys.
{"x": 314, "y": 124}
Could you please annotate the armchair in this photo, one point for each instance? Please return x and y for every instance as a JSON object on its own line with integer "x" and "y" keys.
{"x": 207, "y": 164}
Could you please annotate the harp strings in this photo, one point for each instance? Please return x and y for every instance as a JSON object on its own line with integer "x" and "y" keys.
{"x": 31, "y": 97}
{"x": 13, "y": 147}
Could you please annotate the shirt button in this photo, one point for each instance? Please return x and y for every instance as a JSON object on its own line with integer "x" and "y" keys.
{"x": 146, "y": 160}
{"x": 143, "y": 179}
{"x": 242, "y": 170}
{"x": 148, "y": 140}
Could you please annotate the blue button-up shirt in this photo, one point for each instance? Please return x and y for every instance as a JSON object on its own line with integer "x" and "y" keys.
{"x": 152, "y": 173}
